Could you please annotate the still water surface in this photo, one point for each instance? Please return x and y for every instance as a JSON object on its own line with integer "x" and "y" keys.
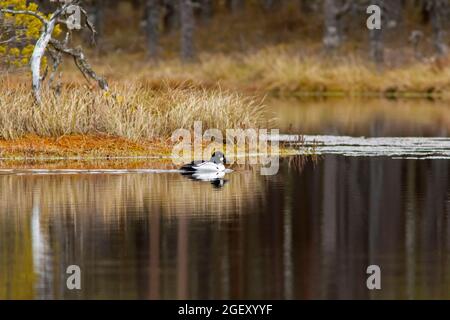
{"x": 308, "y": 232}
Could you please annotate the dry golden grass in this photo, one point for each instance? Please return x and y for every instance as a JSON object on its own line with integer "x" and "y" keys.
{"x": 280, "y": 70}
{"x": 132, "y": 119}
{"x": 132, "y": 112}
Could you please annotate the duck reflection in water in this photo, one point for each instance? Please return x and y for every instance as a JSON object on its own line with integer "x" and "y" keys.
{"x": 215, "y": 178}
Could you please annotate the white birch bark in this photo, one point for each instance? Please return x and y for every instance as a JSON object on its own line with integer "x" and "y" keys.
{"x": 38, "y": 54}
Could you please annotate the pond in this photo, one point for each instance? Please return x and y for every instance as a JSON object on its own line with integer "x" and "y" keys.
{"x": 308, "y": 232}
{"x": 356, "y": 117}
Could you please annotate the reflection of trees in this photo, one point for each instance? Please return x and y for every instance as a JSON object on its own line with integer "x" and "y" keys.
{"x": 66, "y": 220}
{"x": 111, "y": 197}
{"x": 16, "y": 256}
{"x": 377, "y": 211}
{"x": 306, "y": 233}
{"x": 42, "y": 264}
{"x": 368, "y": 117}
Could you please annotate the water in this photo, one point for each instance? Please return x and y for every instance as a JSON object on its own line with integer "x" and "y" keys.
{"x": 393, "y": 147}
{"x": 308, "y": 232}
{"x": 374, "y": 118}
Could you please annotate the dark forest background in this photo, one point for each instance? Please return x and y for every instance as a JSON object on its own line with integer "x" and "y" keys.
{"x": 411, "y": 29}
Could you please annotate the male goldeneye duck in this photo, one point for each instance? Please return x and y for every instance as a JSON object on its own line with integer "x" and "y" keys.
{"x": 215, "y": 164}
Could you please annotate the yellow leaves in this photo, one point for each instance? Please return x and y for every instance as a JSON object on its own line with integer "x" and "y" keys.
{"x": 114, "y": 97}
{"x": 44, "y": 63}
{"x": 24, "y": 61}
{"x": 15, "y": 56}
{"x": 57, "y": 31}
{"x": 33, "y": 27}
{"x": 33, "y": 7}
{"x": 19, "y": 5}
{"x": 15, "y": 52}
{"x": 28, "y": 50}
{"x": 21, "y": 20}
{"x": 26, "y": 28}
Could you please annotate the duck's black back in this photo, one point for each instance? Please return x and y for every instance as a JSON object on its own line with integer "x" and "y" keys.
{"x": 190, "y": 166}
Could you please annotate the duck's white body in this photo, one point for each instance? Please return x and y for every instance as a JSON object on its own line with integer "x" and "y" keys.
{"x": 216, "y": 164}
{"x": 208, "y": 167}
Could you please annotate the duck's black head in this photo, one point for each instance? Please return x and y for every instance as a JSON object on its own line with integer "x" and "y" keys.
{"x": 218, "y": 157}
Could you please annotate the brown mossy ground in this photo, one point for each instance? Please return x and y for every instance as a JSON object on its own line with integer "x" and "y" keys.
{"x": 87, "y": 164}
{"x": 93, "y": 152}
{"x": 80, "y": 146}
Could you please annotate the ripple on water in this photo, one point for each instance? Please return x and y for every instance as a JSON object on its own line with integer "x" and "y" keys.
{"x": 395, "y": 147}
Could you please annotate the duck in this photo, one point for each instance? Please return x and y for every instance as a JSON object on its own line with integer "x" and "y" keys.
{"x": 215, "y": 164}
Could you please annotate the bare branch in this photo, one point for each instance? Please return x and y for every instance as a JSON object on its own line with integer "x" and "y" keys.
{"x": 26, "y": 12}
{"x": 80, "y": 62}
{"x": 9, "y": 40}
{"x": 89, "y": 24}
{"x": 57, "y": 60}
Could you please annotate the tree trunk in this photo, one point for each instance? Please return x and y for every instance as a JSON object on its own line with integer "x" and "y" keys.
{"x": 395, "y": 12}
{"x": 377, "y": 46}
{"x": 268, "y": 4}
{"x": 187, "y": 30}
{"x": 307, "y": 6}
{"x": 172, "y": 16}
{"x": 331, "y": 36}
{"x": 36, "y": 58}
{"x": 152, "y": 26}
{"x": 437, "y": 10}
{"x": 376, "y": 38}
{"x": 235, "y": 5}
{"x": 206, "y": 10}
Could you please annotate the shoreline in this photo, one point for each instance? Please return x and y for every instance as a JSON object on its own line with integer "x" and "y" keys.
{"x": 94, "y": 152}
{"x": 71, "y": 147}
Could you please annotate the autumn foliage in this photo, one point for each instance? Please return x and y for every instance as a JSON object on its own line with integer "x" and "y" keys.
{"x": 19, "y": 33}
